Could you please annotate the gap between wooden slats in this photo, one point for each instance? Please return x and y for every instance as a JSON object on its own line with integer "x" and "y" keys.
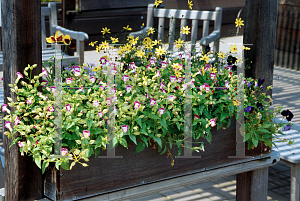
{"x": 43, "y": 27}
{"x": 194, "y": 33}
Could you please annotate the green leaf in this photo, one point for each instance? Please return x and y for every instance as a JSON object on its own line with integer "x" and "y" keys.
{"x": 178, "y": 125}
{"x": 89, "y": 123}
{"x": 57, "y": 164}
{"x": 262, "y": 130}
{"x": 145, "y": 140}
{"x": 254, "y": 141}
{"x": 223, "y": 116}
{"x": 123, "y": 142}
{"x": 201, "y": 107}
{"x": 207, "y": 114}
{"x": 97, "y": 151}
{"x": 179, "y": 143}
{"x": 89, "y": 152}
{"x": 219, "y": 125}
{"x": 268, "y": 142}
{"x": 158, "y": 140}
{"x": 229, "y": 123}
{"x": 65, "y": 165}
{"x": 140, "y": 147}
{"x": 163, "y": 123}
{"x": 164, "y": 151}
{"x": 218, "y": 110}
{"x": 38, "y": 161}
{"x": 44, "y": 166}
{"x": 208, "y": 136}
{"x": 115, "y": 141}
{"x": 98, "y": 130}
{"x": 133, "y": 138}
{"x": 170, "y": 142}
{"x": 139, "y": 121}
{"x": 153, "y": 116}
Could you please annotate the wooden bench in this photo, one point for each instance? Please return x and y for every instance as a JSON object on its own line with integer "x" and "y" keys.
{"x": 291, "y": 154}
{"x": 183, "y": 16}
{"x": 48, "y": 51}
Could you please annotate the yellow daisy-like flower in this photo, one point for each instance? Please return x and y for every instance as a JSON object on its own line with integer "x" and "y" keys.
{"x": 105, "y": 30}
{"x": 156, "y": 42}
{"x": 179, "y": 43}
{"x": 239, "y": 22}
{"x": 236, "y": 102}
{"x": 114, "y": 40}
{"x": 134, "y": 41}
{"x": 140, "y": 53}
{"x": 246, "y": 48}
{"x": 240, "y": 60}
{"x": 98, "y": 48}
{"x": 214, "y": 70}
{"x": 204, "y": 58}
{"x": 93, "y": 43}
{"x": 233, "y": 49}
{"x": 150, "y": 31}
{"x": 185, "y": 30}
{"x": 190, "y": 4}
{"x": 130, "y": 37}
{"x": 104, "y": 45}
{"x": 157, "y": 2}
{"x": 160, "y": 51}
{"x": 221, "y": 55}
{"x": 127, "y": 28}
{"x": 149, "y": 46}
{"x": 147, "y": 41}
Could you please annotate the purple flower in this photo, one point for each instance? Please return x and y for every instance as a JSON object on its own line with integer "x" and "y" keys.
{"x": 100, "y": 114}
{"x": 132, "y": 65}
{"x": 228, "y": 67}
{"x": 172, "y": 78}
{"x": 114, "y": 71}
{"x": 125, "y": 78}
{"x": 136, "y": 104}
{"x": 51, "y": 108}
{"x": 152, "y": 101}
{"x": 53, "y": 89}
{"x": 249, "y": 108}
{"x": 172, "y": 98}
{"x": 196, "y": 116}
{"x": 161, "y": 110}
{"x": 288, "y": 114}
{"x": 162, "y": 85}
{"x": 76, "y": 68}
{"x": 286, "y": 128}
{"x": 86, "y": 134}
{"x": 259, "y": 106}
{"x": 157, "y": 74}
{"x": 124, "y": 128}
{"x": 152, "y": 61}
{"x": 249, "y": 85}
{"x": 180, "y": 79}
{"x": 128, "y": 88}
{"x": 260, "y": 82}
{"x": 213, "y": 122}
{"x": 69, "y": 80}
{"x": 44, "y": 82}
{"x": 63, "y": 152}
{"x": 212, "y": 76}
{"x": 29, "y": 101}
{"x": 103, "y": 60}
{"x": 68, "y": 107}
{"x": 164, "y": 64}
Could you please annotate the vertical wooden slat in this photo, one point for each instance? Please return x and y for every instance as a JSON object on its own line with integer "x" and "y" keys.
{"x": 278, "y": 37}
{"x": 289, "y": 38}
{"x": 150, "y": 15}
{"x": 205, "y": 28}
{"x": 285, "y": 36}
{"x": 161, "y": 25}
{"x": 53, "y": 18}
{"x": 43, "y": 27}
{"x": 194, "y": 33}
{"x": 217, "y": 26}
{"x": 80, "y": 51}
{"x": 182, "y": 24}
{"x": 22, "y": 46}
{"x": 172, "y": 25}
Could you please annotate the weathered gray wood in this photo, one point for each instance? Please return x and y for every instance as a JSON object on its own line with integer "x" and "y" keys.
{"x": 260, "y": 31}
{"x": 295, "y": 181}
{"x": 21, "y": 35}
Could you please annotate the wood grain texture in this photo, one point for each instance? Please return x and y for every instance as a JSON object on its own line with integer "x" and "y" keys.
{"x": 260, "y": 30}
{"x": 106, "y": 175}
{"x": 21, "y": 46}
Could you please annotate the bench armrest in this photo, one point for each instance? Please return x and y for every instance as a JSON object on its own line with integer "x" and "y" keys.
{"x": 80, "y": 37}
{"x": 142, "y": 33}
{"x": 215, "y": 35}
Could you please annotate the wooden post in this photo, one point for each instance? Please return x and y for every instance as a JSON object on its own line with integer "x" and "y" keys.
{"x": 260, "y": 31}
{"x": 68, "y": 14}
{"x": 21, "y": 34}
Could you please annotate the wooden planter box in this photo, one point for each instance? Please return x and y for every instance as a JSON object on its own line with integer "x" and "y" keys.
{"x": 104, "y": 175}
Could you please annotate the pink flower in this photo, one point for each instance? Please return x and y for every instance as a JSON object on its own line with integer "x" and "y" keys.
{"x": 4, "y": 108}
{"x": 17, "y": 121}
{"x": 103, "y": 60}
{"x": 68, "y": 107}
{"x": 228, "y": 67}
{"x": 125, "y": 78}
{"x": 132, "y": 65}
{"x": 76, "y": 68}
{"x": 227, "y": 84}
{"x": 63, "y": 152}
{"x": 114, "y": 71}
{"x": 213, "y": 122}
{"x": 21, "y": 144}
{"x": 180, "y": 79}
{"x": 163, "y": 90}
{"x": 152, "y": 61}
{"x": 19, "y": 75}
{"x": 53, "y": 89}
{"x": 108, "y": 101}
{"x": 51, "y": 108}
{"x": 147, "y": 95}
{"x": 136, "y": 104}
{"x": 171, "y": 98}
{"x": 86, "y": 134}
{"x": 184, "y": 86}
{"x": 44, "y": 82}
{"x": 180, "y": 56}
{"x": 69, "y": 80}
{"x": 124, "y": 128}
{"x": 29, "y": 101}
{"x": 100, "y": 114}
{"x": 162, "y": 85}
{"x": 92, "y": 79}
{"x": 207, "y": 67}
{"x": 82, "y": 89}
{"x": 101, "y": 88}
{"x": 164, "y": 64}
{"x": 7, "y": 125}
{"x": 2, "y": 78}
{"x": 128, "y": 88}
{"x": 157, "y": 74}
{"x": 212, "y": 76}
{"x": 172, "y": 78}
{"x": 152, "y": 101}
{"x": 196, "y": 116}
{"x": 77, "y": 73}
{"x": 96, "y": 103}
{"x": 44, "y": 72}
{"x": 148, "y": 67}
{"x": 161, "y": 110}
{"x": 115, "y": 110}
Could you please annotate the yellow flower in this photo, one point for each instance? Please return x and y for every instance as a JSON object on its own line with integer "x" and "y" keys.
{"x": 93, "y": 43}
{"x": 236, "y": 102}
{"x": 59, "y": 37}
{"x": 156, "y": 42}
{"x": 157, "y": 2}
{"x": 233, "y": 49}
{"x": 105, "y": 30}
{"x": 134, "y": 41}
{"x": 160, "y": 51}
{"x": 185, "y": 30}
{"x": 149, "y": 46}
{"x": 190, "y": 4}
{"x": 98, "y": 48}
{"x": 213, "y": 70}
{"x": 147, "y": 41}
{"x": 130, "y": 37}
{"x": 114, "y": 40}
{"x": 127, "y": 28}
{"x": 204, "y": 58}
{"x": 150, "y": 31}
{"x": 179, "y": 43}
{"x": 239, "y": 22}
{"x": 104, "y": 45}
{"x": 240, "y": 60}
{"x": 246, "y": 48}
{"x": 67, "y": 40}
{"x": 221, "y": 55}
{"x": 140, "y": 53}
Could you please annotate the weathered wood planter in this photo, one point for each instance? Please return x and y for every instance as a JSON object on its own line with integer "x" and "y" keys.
{"x": 105, "y": 175}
